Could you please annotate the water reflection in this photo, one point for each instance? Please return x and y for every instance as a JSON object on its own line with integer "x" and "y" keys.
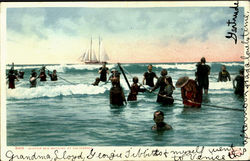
{"x": 206, "y": 98}
{"x": 187, "y": 110}
{"x": 116, "y": 110}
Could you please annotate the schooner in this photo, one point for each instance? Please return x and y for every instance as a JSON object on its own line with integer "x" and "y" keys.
{"x": 89, "y": 56}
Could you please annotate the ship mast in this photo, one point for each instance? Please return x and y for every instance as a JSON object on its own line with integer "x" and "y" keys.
{"x": 90, "y": 54}
{"x": 99, "y": 49}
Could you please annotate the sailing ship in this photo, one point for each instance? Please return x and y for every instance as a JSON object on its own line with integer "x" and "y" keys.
{"x": 89, "y": 56}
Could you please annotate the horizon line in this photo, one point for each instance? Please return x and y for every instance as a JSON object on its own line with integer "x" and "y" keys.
{"x": 79, "y": 63}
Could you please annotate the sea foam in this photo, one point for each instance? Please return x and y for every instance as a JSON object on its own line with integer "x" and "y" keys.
{"x": 54, "y": 91}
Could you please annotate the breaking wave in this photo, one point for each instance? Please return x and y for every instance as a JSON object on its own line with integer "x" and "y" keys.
{"x": 54, "y": 91}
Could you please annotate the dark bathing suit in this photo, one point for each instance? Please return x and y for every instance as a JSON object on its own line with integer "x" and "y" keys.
{"x": 43, "y": 76}
{"x": 149, "y": 78}
{"x": 53, "y": 77}
{"x": 134, "y": 92}
{"x": 162, "y": 84}
{"x": 116, "y": 96}
{"x": 240, "y": 85}
{"x": 223, "y": 75}
{"x": 103, "y": 76}
{"x": 202, "y": 75}
{"x": 12, "y": 81}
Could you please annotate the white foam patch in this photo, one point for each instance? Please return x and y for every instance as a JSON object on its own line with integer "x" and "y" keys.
{"x": 221, "y": 85}
{"x": 24, "y": 67}
{"x": 62, "y": 68}
{"x": 177, "y": 66}
{"x": 233, "y": 64}
{"x": 54, "y": 91}
{"x": 220, "y": 92}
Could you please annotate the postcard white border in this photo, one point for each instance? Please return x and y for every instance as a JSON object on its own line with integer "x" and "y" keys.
{"x": 73, "y": 150}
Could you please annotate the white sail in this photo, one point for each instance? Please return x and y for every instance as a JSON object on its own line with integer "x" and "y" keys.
{"x": 103, "y": 55}
{"x": 93, "y": 57}
{"x": 89, "y": 56}
{"x": 82, "y": 57}
{"x": 86, "y": 57}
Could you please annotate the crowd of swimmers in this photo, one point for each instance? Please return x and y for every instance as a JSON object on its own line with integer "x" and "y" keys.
{"x": 191, "y": 90}
{"x": 16, "y": 75}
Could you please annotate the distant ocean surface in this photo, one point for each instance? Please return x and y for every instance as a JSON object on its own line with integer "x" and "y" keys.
{"x": 78, "y": 114}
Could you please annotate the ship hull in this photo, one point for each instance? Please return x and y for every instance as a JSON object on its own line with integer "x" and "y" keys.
{"x": 93, "y": 62}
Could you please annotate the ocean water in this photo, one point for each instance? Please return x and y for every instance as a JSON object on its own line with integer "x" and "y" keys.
{"x": 72, "y": 112}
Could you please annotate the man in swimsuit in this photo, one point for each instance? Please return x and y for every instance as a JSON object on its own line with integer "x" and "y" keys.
{"x": 11, "y": 79}
{"x": 202, "y": 73}
{"x": 239, "y": 87}
{"x": 159, "y": 122}
{"x": 42, "y": 74}
{"x": 135, "y": 88}
{"x": 224, "y": 76}
{"x": 149, "y": 76}
{"x": 33, "y": 79}
{"x": 116, "y": 94}
{"x": 53, "y": 76}
{"x": 103, "y": 71}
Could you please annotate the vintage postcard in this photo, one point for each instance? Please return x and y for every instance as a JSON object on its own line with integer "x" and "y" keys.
{"x": 125, "y": 81}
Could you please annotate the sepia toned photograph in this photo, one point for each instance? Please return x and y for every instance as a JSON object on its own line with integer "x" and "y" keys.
{"x": 124, "y": 75}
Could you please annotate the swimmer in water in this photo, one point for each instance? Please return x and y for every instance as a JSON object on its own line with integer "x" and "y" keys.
{"x": 116, "y": 93}
{"x": 53, "y": 76}
{"x": 135, "y": 88}
{"x": 159, "y": 122}
{"x": 224, "y": 75}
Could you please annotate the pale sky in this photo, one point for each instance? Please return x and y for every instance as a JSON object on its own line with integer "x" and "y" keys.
{"x": 130, "y": 35}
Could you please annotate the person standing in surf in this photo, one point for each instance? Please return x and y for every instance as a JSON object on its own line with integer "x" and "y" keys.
{"x": 33, "y": 78}
{"x": 115, "y": 74}
{"x": 53, "y": 76}
{"x": 166, "y": 88}
{"x": 239, "y": 87}
{"x": 201, "y": 74}
{"x": 12, "y": 70}
{"x": 116, "y": 94}
{"x": 42, "y": 74}
{"x": 191, "y": 93}
{"x": 103, "y": 71}
{"x": 159, "y": 122}
{"x": 149, "y": 76}
{"x": 11, "y": 79}
{"x": 224, "y": 75}
{"x": 135, "y": 88}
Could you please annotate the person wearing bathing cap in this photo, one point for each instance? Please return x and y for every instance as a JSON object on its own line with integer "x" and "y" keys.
{"x": 191, "y": 93}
